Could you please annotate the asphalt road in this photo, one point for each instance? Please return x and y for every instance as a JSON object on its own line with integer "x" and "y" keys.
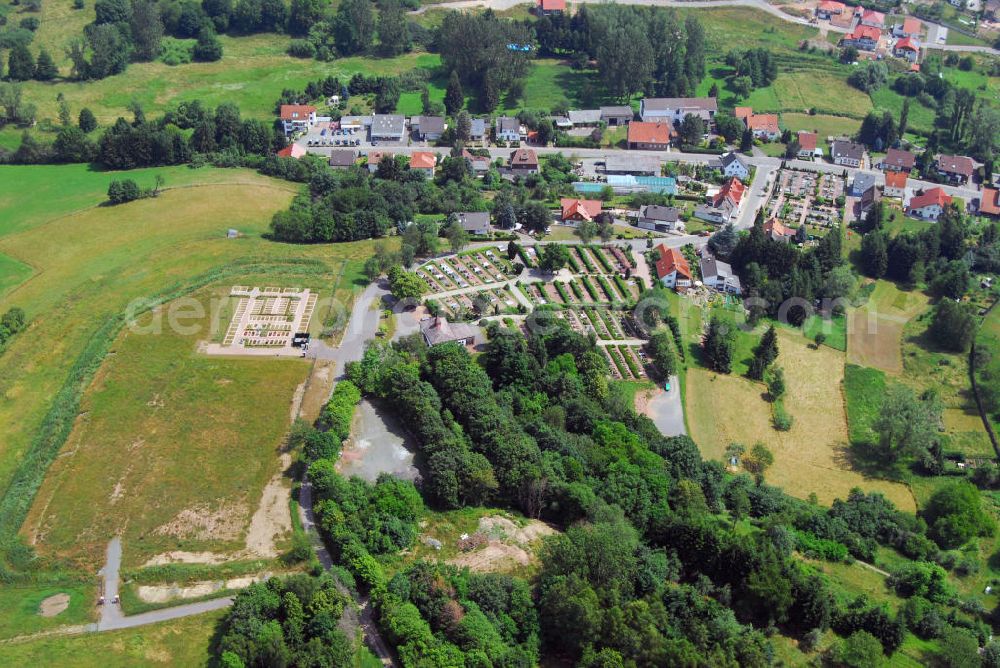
{"x": 502, "y": 5}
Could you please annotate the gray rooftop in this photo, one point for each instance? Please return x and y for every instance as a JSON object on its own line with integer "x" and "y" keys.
{"x": 473, "y": 220}
{"x": 668, "y": 103}
{"x": 732, "y": 157}
{"x": 431, "y": 124}
{"x": 841, "y": 148}
{"x": 584, "y": 116}
{"x": 478, "y": 127}
{"x": 667, "y": 214}
{"x": 863, "y": 182}
{"x": 617, "y": 111}
{"x": 630, "y": 164}
{"x": 342, "y": 158}
{"x": 388, "y": 124}
{"x": 508, "y": 124}
{"x": 439, "y": 330}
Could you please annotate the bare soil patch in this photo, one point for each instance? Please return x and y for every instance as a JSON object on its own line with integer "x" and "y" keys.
{"x": 53, "y": 605}
{"x": 504, "y": 545}
{"x": 172, "y": 592}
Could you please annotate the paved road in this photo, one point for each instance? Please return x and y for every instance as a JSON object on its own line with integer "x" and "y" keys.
{"x": 765, "y": 165}
{"x": 761, "y": 5}
{"x": 112, "y": 617}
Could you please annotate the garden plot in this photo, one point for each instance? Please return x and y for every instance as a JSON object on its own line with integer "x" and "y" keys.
{"x": 625, "y": 362}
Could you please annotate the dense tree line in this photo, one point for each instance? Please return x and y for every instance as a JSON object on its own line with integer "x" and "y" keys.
{"x": 638, "y": 49}
{"x": 783, "y": 281}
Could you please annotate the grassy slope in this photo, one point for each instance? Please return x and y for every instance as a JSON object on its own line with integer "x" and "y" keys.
{"x": 21, "y": 606}
{"x": 181, "y": 642}
{"x": 106, "y": 257}
{"x": 165, "y": 424}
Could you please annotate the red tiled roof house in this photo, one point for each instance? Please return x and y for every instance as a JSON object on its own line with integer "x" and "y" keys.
{"x": 650, "y": 136}
{"x": 930, "y": 205}
{"x": 578, "y": 210}
{"x": 672, "y": 268}
{"x": 297, "y": 117}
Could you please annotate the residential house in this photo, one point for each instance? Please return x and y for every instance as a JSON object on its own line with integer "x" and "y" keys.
{"x": 658, "y": 218}
{"x": 763, "y": 126}
{"x": 475, "y": 222}
{"x": 719, "y": 275}
{"x": 617, "y": 163}
{"x": 898, "y": 160}
{"x": 428, "y": 128}
{"x": 375, "y": 157}
{"x": 989, "y": 204}
{"x": 342, "y": 158}
{"x": 439, "y": 330}
{"x": 508, "y": 129}
{"x": 829, "y": 8}
{"x": 477, "y": 130}
{"x": 848, "y": 153}
{"x": 578, "y": 210}
{"x": 865, "y": 188}
{"x": 524, "y": 161}
{"x": 863, "y": 38}
{"x": 907, "y": 48}
{"x": 650, "y": 136}
{"x": 809, "y": 145}
{"x": 293, "y": 150}
{"x": 480, "y": 164}
{"x": 723, "y": 206}
{"x": 733, "y": 164}
{"x": 929, "y": 205}
{"x": 387, "y": 127}
{"x": 895, "y": 184}
{"x": 297, "y": 117}
{"x": 672, "y": 268}
{"x": 423, "y": 162}
{"x": 674, "y": 109}
{"x": 956, "y": 168}
{"x": 776, "y": 231}
{"x": 550, "y": 7}
{"x": 586, "y": 118}
{"x": 561, "y": 122}
{"x": 870, "y": 18}
{"x": 910, "y": 27}
{"x": 614, "y": 116}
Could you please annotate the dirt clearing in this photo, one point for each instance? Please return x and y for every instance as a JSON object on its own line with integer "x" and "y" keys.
{"x": 54, "y": 605}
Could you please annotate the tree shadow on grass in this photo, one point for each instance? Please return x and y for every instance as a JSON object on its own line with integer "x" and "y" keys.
{"x": 865, "y": 459}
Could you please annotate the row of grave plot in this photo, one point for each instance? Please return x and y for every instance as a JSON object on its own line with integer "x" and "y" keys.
{"x": 606, "y": 324}
{"x": 583, "y": 289}
{"x": 625, "y": 362}
{"x": 464, "y": 271}
{"x": 480, "y": 303}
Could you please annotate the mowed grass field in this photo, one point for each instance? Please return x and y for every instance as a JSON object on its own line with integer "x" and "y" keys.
{"x": 252, "y": 73}
{"x": 173, "y": 448}
{"x": 179, "y": 642}
{"x": 876, "y": 329}
{"x": 824, "y": 125}
{"x": 90, "y": 264}
{"x": 22, "y": 603}
{"x": 811, "y": 457}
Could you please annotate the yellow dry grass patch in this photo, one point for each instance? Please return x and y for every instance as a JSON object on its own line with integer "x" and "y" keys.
{"x": 876, "y": 329}
{"x": 811, "y": 457}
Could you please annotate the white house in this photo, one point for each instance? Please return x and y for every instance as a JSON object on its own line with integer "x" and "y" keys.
{"x": 733, "y": 164}
{"x": 674, "y": 109}
{"x": 672, "y": 268}
{"x": 297, "y": 117}
{"x": 719, "y": 275}
{"x": 930, "y": 205}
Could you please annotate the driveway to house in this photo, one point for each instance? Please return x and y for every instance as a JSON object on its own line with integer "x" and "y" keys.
{"x": 666, "y": 409}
